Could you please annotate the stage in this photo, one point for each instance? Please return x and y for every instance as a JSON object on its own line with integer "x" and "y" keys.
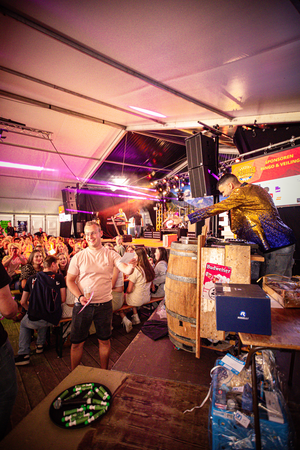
{"x": 151, "y": 243}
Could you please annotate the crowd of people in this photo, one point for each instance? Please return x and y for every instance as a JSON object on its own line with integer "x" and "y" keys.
{"x": 23, "y": 257}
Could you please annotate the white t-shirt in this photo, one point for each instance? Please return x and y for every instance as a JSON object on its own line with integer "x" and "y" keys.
{"x": 94, "y": 269}
{"x": 141, "y": 289}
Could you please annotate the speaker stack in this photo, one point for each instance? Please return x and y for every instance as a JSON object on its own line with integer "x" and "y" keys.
{"x": 69, "y": 201}
{"x": 202, "y": 155}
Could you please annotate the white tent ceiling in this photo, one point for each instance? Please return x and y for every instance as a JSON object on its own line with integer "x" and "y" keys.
{"x": 74, "y": 68}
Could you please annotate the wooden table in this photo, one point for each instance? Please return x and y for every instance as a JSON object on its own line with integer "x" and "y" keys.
{"x": 146, "y": 413}
{"x": 285, "y": 335}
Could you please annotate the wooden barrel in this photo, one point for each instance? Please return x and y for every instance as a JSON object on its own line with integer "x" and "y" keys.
{"x": 181, "y": 295}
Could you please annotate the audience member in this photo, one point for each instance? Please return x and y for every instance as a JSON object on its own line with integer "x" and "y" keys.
{"x": 138, "y": 290}
{"x": 34, "y": 265}
{"x": 39, "y": 233}
{"x": 10, "y": 230}
{"x": 27, "y": 247}
{"x": 8, "y": 379}
{"x": 160, "y": 269}
{"x": 117, "y": 284}
{"x": 39, "y": 320}
{"x": 130, "y": 249}
{"x": 119, "y": 247}
{"x": 63, "y": 264}
{"x": 13, "y": 261}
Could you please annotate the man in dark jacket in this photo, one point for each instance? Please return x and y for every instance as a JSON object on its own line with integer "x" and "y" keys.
{"x": 40, "y": 318}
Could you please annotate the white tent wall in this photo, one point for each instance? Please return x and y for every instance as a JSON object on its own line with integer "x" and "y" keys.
{"x": 49, "y": 223}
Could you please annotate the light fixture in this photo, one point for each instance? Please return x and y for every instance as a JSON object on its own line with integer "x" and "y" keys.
{"x": 24, "y": 166}
{"x": 147, "y": 111}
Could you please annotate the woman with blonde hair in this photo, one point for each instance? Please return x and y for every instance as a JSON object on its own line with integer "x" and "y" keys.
{"x": 138, "y": 290}
{"x": 63, "y": 263}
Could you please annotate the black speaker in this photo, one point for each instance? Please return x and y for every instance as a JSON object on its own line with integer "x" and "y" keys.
{"x": 202, "y": 164}
{"x": 69, "y": 201}
{"x": 202, "y": 182}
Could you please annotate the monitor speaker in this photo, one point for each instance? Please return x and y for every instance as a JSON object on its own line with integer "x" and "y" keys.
{"x": 202, "y": 164}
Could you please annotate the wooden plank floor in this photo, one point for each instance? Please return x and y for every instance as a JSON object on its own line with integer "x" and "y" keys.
{"x": 46, "y": 370}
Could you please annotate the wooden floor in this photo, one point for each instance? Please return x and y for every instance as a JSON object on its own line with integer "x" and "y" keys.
{"x": 46, "y": 370}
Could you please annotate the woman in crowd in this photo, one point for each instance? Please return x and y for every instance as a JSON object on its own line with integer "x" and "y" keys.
{"x": 40, "y": 247}
{"x": 138, "y": 290}
{"x": 63, "y": 263}
{"x": 61, "y": 248}
{"x": 34, "y": 265}
{"x": 4, "y": 247}
{"x": 130, "y": 249}
{"x": 27, "y": 247}
{"x": 160, "y": 269}
{"x": 13, "y": 261}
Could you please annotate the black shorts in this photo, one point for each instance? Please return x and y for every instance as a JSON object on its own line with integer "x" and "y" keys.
{"x": 99, "y": 313}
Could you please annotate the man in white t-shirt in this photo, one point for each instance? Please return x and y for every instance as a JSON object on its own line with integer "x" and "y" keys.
{"x": 90, "y": 275}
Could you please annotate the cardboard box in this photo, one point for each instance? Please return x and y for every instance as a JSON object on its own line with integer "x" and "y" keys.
{"x": 243, "y": 308}
{"x": 283, "y": 290}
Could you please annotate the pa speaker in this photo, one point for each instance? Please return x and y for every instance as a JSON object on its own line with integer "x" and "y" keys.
{"x": 201, "y": 150}
{"x": 202, "y": 164}
{"x": 68, "y": 196}
{"x": 69, "y": 201}
{"x": 202, "y": 182}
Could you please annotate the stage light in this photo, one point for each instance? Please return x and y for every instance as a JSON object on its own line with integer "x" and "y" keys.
{"x": 147, "y": 111}
{"x": 24, "y": 166}
{"x": 180, "y": 196}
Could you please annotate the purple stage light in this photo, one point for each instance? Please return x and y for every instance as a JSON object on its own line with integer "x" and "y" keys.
{"x": 80, "y": 211}
{"x": 108, "y": 194}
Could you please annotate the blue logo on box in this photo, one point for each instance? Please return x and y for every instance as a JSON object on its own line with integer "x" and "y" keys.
{"x": 277, "y": 188}
{"x": 243, "y": 316}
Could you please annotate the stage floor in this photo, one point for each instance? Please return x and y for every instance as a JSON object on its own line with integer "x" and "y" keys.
{"x": 152, "y": 243}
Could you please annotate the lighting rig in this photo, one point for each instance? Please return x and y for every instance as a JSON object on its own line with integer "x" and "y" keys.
{"x": 176, "y": 183}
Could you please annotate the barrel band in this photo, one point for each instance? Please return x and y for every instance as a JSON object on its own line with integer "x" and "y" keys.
{"x": 189, "y": 255}
{"x": 180, "y": 278}
{"x": 193, "y": 341}
{"x": 180, "y": 317}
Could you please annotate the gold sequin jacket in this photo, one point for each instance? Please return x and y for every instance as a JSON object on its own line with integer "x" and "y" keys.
{"x": 253, "y": 217}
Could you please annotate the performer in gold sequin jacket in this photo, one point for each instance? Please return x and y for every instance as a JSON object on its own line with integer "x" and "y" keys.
{"x": 253, "y": 217}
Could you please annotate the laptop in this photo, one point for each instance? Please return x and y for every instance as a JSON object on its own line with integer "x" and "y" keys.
{"x": 243, "y": 308}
